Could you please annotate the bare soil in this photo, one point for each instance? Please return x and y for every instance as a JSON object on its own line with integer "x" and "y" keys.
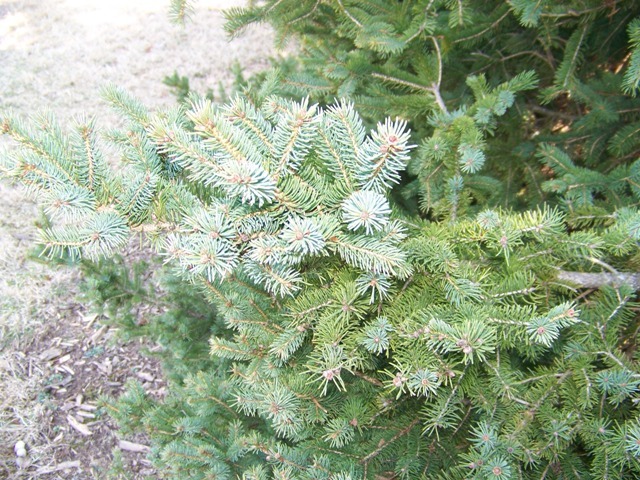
{"x": 56, "y": 358}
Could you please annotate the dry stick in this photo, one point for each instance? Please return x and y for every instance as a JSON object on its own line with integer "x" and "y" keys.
{"x": 133, "y": 447}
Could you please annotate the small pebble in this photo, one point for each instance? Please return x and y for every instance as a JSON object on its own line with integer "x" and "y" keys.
{"x": 20, "y": 449}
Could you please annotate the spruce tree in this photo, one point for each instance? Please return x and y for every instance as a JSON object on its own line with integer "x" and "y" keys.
{"x": 449, "y": 67}
{"x": 463, "y": 329}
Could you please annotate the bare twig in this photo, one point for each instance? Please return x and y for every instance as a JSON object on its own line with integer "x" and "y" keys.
{"x": 490, "y": 27}
{"x": 422, "y": 26}
{"x": 436, "y": 86}
{"x": 433, "y": 89}
{"x": 400, "y": 81}
{"x": 599, "y": 280}
{"x": 351, "y": 17}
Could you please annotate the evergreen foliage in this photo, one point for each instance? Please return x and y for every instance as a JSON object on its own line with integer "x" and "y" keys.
{"x": 180, "y": 320}
{"x": 179, "y": 85}
{"x": 357, "y": 341}
{"x": 448, "y": 331}
{"x": 484, "y": 86}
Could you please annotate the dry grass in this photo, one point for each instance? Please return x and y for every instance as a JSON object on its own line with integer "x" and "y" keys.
{"x": 56, "y": 55}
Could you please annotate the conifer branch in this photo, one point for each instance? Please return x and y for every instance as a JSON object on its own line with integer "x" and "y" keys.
{"x": 423, "y": 25}
{"x": 307, "y": 312}
{"x": 439, "y": 100}
{"x": 180, "y": 10}
{"x": 255, "y": 290}
{"x": 368, "y": 378}
{"x": 245, "y": 120}
{"x": 439, "y": 56}
{"x": 268, "y": 326}
{"x": 218, "y": 294}
{"x": 399, "y": 81}
{"x": 223, "y": 404}
{"x": 336, "y": 157}
{"x": 281, "y": 216}
{"x": 85, "y": 133}
{"x": 384, "y": 445}
{"x": 346, "y": 12}
{"x": 308, "y": 14}
{"x": 488, "y": 29}
{"x": 433, "y": 89}
{"x": 36, "y": 147}
{"x": 227, "y": 144}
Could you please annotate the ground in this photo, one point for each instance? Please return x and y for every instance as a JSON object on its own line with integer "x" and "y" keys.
{"x": 56, "y": 358}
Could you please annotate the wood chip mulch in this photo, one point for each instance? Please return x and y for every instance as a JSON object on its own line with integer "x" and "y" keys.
{"x": 83, "y": 360}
